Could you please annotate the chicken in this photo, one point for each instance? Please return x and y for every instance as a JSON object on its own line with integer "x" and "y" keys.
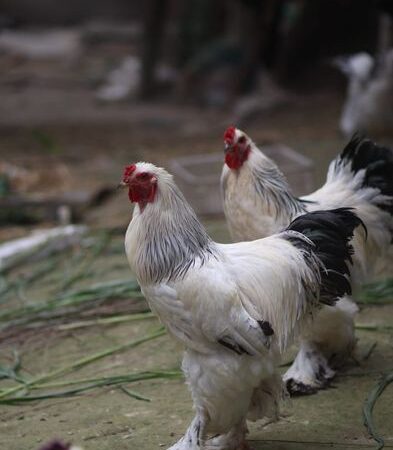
{"x": 258, "y": 203}
{"x": 234, "y": 307}
{"x": 369, "y": 103}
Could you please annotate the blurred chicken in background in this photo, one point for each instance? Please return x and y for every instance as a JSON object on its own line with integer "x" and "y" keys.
{"x": 369, "y": 103}
{"x": 368, "y": 106}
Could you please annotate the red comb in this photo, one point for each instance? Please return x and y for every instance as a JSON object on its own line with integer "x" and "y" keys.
{"x": 229, "y": 135}
{"x": 128, "y": 171}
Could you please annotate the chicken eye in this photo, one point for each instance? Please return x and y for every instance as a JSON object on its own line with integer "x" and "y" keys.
{"x": 143, "y": 176}
{"x": 242, "y": 140}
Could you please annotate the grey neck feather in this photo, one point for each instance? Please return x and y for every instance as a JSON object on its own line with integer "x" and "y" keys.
{"x": 272, "y": 186}
{"x": 171, "y": 239}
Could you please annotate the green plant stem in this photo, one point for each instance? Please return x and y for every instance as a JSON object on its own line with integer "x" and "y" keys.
{"x": 30, "y": 278}
{"x": 127, "y": 378}
{"x": 369, "y": 406}
{"x": 84, "y": 269}
{"x": 367, "y": 327}
{"x": 107, "y": 321}
{"x": 370, "y": 351}
{"x": 92, "y": 384}
{"x": 99, "y": 292}
{"x": 109, "y": 381}
{"x": 82, "y": 362}
{"x": 134, "y": 394}
{"x": 67, "y": 393}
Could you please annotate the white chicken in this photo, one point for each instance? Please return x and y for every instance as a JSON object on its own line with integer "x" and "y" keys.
{"x": 234, "y": 307}
{"x": 258, "y": 203}
{"x": 369, "y": 103}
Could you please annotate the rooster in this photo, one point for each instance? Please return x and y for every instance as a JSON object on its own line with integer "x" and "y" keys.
{"x": 234, "y": 307}
{"x": 258, "y": 203}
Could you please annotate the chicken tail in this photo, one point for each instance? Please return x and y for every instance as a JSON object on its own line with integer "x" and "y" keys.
{"x": 328, "y": 236}
{"x": 374, "y": 164}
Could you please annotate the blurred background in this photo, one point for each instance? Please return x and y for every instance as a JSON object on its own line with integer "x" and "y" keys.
{"x": 87, "y": 87}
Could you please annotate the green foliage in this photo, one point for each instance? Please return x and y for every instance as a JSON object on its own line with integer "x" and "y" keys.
{"x": 20, "y": 392}
{"x": 378, "y": 293}
{"x": 46, "y": 142}
{"x": 61, "y": 305}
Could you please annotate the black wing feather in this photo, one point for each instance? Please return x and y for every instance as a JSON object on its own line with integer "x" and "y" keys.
{"x": 330, "y": 233}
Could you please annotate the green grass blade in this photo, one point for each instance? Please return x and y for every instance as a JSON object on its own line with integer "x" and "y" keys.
{"x": 83, "y": 362}
{"x": 134, "y": 394}
{"x": 90, "y": 384}
{"x": 107, "y": 321}
{"x": 99, "y": 292}
{"x": 369, "y": 406}
{"x": 369, "y": 327}
{"x": 127, "y": 378}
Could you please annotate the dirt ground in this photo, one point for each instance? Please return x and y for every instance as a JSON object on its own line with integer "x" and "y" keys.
{"x": 91, "y": 144}
{"x": 108, "y": 419}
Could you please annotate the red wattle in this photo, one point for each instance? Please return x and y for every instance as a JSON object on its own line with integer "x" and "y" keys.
{"x": 235, "y": 159}
{"x": 232, "y": 161}
{"x": 131, "y": 195}
{"x": 142, "y": 194}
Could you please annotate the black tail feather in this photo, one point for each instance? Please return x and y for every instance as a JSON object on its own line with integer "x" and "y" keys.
{"x": 330, "y": 233}
{"x": 376, "y": 160}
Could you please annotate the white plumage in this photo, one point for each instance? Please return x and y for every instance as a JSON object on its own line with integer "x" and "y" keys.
{"x": 368, "y": 106}
{"x": 258, "y": 202}
{"x": 234, "y": 307}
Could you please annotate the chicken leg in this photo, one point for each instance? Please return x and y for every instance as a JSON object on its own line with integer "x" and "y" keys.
{"x": 325, "y": 346}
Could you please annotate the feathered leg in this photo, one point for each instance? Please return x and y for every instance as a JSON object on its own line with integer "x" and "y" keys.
{"x": 266, "y": 399}
{"x": 194, "y": 436}
{"x": 325, "y": 346}
{"x": 264, "y": 404}
{"x": 221, "y": 400}
{"x": 235, "y": 439}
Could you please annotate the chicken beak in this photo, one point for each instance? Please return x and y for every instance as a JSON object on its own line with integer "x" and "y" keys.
{"x": 122, "y": 184}
{"x": 226, "y": 147}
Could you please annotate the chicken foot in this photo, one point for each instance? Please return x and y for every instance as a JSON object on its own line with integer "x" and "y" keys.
{"x": 195, "y": 437}
{"x": 326, "y": 345}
